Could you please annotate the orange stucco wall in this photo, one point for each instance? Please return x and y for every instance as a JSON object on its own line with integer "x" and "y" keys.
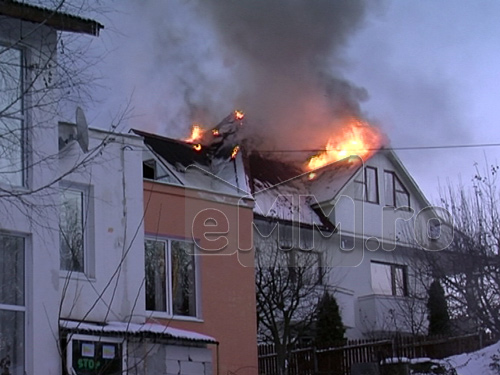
{"x": 226, "y": 274}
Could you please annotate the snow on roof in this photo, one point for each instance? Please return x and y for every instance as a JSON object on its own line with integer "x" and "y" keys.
{"x": 53, "y": 18}
{"x": 135, "y": 329}
{"x": 280, "y": 191}
{"x": 331, "y": 179}
{"x": 284, "y": 192}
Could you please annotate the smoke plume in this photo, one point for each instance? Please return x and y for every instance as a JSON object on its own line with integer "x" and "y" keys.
{"x": 278, "y": 61}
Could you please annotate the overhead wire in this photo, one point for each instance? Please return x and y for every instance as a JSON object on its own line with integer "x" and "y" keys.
{"x": 402, "y": 148}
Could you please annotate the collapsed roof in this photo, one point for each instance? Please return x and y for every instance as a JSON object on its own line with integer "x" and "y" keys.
{"x": 282, "y": 191}
{"x": 213, "y": 166}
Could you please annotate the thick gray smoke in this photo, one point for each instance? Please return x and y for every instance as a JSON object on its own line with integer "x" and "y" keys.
{"x": 278, "y": 61}
{"x": 287, "y": 59}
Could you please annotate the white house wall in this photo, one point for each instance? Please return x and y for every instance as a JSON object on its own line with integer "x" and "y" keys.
{"x": 112, "y": 287}
{"x": 36, "y": 222}
{"x": 352, "y": 287}
{"x": 370, "y": 232}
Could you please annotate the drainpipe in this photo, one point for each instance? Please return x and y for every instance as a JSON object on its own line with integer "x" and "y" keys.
{"x": 217, "y": 358}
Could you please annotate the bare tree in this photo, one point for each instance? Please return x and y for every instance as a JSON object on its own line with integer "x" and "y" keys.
{"x": 43, "y": 77}
{"x": 469, "y": 269}
{"x": 289, "y": 285}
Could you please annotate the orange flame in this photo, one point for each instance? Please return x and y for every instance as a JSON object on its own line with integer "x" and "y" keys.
{"x": 236, "y": 149}
{"x": 239, "y": 115}
{"x": 196, "y": 134}
{"x": 355, "y": 138}
{"x": 197, "y": 147}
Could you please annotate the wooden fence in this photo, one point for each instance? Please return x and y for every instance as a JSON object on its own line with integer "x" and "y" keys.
{"x": 338, "y": 360}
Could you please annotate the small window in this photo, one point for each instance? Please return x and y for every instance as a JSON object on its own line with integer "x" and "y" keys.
{"x": 389, "y": 279}
{"x": 366, "y": 189}
{"x": 170, "y": 277}
{"x": 12, "y": 137}
{"x": 305, "y": 267}
{"x": 72, "y": 222}
{"x": 149, "y": 169}
{"x": 434, "y": 229}
{"x": 396, "y": 194}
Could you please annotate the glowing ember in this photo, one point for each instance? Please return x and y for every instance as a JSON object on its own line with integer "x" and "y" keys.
{"x": 196, "y": 134}
{"x": 197, "y": 147}
{"x": 312, "y": 176}
{"x": 236, "y": 149}
{"x": 238, "y": 115}
{"x": 355, "y": 138}
{"x": 215, "y": 132}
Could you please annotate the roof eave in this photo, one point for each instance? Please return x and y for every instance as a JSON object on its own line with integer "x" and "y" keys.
{"x": 57, "y": 20}
{"x": 322, "y": 227}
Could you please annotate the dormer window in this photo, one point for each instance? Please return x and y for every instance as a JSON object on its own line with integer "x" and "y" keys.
{"x": 12, "y": 135}
{"x": 396, "y": 194}
{"x": 367, "y": 186}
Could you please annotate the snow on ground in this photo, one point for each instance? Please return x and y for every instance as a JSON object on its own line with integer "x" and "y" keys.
{"x": 482, "y": 362}
{"x": 485, "y": 361}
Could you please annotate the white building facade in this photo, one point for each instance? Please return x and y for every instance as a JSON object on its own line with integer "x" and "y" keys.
{"x": 71, "y": 230}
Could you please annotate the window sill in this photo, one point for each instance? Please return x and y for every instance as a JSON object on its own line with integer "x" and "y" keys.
{"x": 163, "y": 315}
{"x": 75, "y": 276}
{"x": 366, "y": 201}
{"x": 386, "y": 296}
{"x": 20, "y": 189}
{"x": 400, "y": 208}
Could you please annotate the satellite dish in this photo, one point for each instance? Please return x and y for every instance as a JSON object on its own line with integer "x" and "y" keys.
{"x": 82, "y": 130}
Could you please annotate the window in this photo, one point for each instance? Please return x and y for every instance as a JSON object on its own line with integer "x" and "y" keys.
{"x": 396, "y": 194}
{"x": 72, "y": 222}
{"x": 170, "y": 277}
{"x": 389, "y": 279}
{"x": 305, "y": 267}
{"x": 11, "y": 117}
{"x": 12, "y": 305}
{"x": 434, "y": 229}
{"x": 366, "y": 189}
{"x": 149, "y": 169}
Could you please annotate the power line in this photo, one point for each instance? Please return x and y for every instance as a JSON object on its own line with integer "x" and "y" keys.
{"x": 403, "y": 148}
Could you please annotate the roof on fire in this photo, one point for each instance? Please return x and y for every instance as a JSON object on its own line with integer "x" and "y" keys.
{"x": 211, "y": 168}
{"x": 284, "y": 192}
{"x": 53, "y": 18}
{"x": 174, "y": 151}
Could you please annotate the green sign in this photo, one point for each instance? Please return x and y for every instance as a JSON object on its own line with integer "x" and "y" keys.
{"x": 97, "y": 357}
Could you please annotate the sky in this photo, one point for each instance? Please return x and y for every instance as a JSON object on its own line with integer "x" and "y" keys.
{"x": 426, "y": 72}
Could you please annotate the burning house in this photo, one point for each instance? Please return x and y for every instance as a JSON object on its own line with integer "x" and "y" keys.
{"x": 361, "y": 220}
{"x": 196, "y": 279}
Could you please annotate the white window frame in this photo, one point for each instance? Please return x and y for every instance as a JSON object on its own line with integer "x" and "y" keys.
{"x": 21, "y": 117}
{"x": 392, "y": 201}
{"x": 168, "y": 282}
{"x": 395, "y": 289}
{"x": 103, "y": 339}
{"x": 21, "y": 308}
{"x": 87, "y": 227}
